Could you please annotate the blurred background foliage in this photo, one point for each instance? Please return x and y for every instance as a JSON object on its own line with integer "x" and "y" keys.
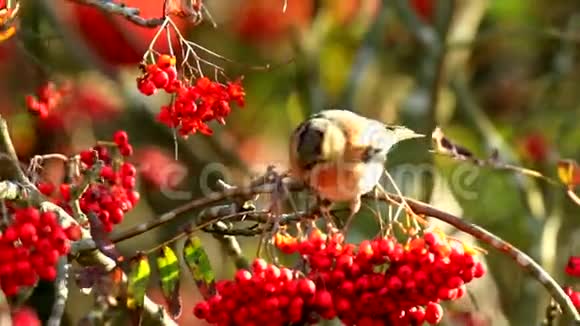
{"x": 494, "y": 74}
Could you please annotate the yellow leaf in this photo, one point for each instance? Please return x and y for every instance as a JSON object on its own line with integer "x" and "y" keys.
{"x": 569, "y": 173}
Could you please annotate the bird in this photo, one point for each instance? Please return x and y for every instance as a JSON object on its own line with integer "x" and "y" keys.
{"x": 341, "y": 155}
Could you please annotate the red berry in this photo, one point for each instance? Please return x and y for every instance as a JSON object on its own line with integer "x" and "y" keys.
{"x": 116, "y": 216}
{"x": 575, "y": 297}
{"x": 417, "y": 314}
{"x": 365, "y": 250}
{"x": 128, "y": 169}
{"x": 347, "y": 287}
{"x": 133, "y": 197}
{"x": 306, "y": 287}
{"x": 126, "y": 150}
{"x": 323, "y": 299}
{"x": 73, "y": 232}
{"x": 160, "y": 79}
{"x": 478, "y": 270}
{"x": 51, "y": 257}
{"x": 243, "y": 276}
{"x": 433, "y": 313}
{"x": 394, "y": 283}
{"x": 146, "y": 86}
{"x": 10, "y": 235}
{"x": 24, "y": 316}
{"x": 87, "y": 157}
{"x": 271, "y": 303}
{"x": 47, "y": 273}
{"x": 171, "y": 73}
{"x": 405, "y": 272}
{"x": 201, "y": 310}
{"x": 259, "y": 265}
{"x": 107, "y": 173}
{"x": 27, "y": 233}
{"x": 272, "y": 273}
{"x": 65, "y": 191}
{"x": 9, "y": 287}
{"x": 121, "y": 138}
{"x": 46, "y": 188}
{"x": 165, "y": 61}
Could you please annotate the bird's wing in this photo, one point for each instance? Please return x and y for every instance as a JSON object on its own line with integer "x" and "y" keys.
{"x": 367, "y": 139}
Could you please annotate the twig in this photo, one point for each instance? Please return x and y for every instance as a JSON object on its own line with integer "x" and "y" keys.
{"x": 61, "y": 293}
{"x": 552, "y": 311}
{"x": 94, "y": 257}
{"x": 8, "y": 148}
{"x": 418, "y": 207}
{"x": 208, "y": 200}
{"x": 130, "y": 13}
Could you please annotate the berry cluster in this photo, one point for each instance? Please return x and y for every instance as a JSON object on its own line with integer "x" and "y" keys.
{"x": 266, "y": 296}
{"x": 382, "y": 282}
{"x": 196, "y": 102}
{"x": 48, "y": 96}
{"x": 116, "y": 195}
{"x": 30, "y": 247}
{"x": 574, "y": 296}
{"x": 161, "y": 75}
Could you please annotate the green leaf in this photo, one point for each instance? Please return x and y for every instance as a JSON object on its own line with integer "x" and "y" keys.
{"x": 169, "y": 274}
{"x": 200, "y": 267}
{"x": 137, "y": 281}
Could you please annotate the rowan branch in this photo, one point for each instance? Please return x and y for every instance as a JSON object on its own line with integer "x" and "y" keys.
{"x": 61, "y": 296}
{"x": 24, "y": 189}
{"x": 522, "y": 260}
{"x": 91, "y": 256}
{"x": 132, "y": 14}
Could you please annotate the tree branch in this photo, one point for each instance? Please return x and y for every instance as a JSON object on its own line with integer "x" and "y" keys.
{"x": 93, "y": 257}
{"x": 130, "y": 13}
{"x": 520, "y": 258}
{"x": 61, "y": 290}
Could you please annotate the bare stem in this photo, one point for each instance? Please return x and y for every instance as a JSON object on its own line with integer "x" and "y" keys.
{"x": 130, "y": 13}
{"x": 61, "y": 290}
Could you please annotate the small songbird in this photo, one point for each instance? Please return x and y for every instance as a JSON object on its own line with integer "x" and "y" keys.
{"x": 340, "y": 155}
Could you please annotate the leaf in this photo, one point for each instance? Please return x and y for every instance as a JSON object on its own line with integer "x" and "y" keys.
{"x": 137, "y": 281}
{"x": 101, "y": 238}
{"x": 199, "y": 266}
{"x": 7, "y": 22}
{"x": 569, "y": 173}
{"x": 169, "y": 274}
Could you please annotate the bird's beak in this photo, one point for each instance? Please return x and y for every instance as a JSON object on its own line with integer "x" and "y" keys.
{"x": 404, "y": 133}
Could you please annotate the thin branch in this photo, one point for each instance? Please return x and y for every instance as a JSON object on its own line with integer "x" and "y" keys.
{"x": 95, "y": 257}
{"x": 522, "y": 259}
{"x": 210, "y": 199}
{"x": 130, "y": 13}
{"x": 61, "y": 293}
{"x": 418, "y": 207}
{"x": 8, "y": 148}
